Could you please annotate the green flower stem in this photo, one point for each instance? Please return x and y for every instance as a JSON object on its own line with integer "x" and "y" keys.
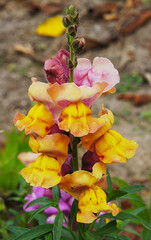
{"x": 75, "y": 154}
{"x": 71, "y": 58}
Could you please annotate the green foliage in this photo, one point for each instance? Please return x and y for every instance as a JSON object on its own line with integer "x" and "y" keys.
{"x": 146, "y": 115}
{"x": 129, "y": 82}
{"x": 57, "y": 226}
{"x": 10, "y": 166}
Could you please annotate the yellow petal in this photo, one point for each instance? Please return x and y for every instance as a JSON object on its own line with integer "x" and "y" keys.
{"x": 45, "y": 172}
{"x": 91, "y": 202}
{"x": 54, "y": 145}
{"x": 89, "y": 140}
{"x": 76, "y": 118}
{"x": 39, "y": 120}
{"x": 52, "y": 27}
{"x": 77, "y": 182}
{"x": 38, "y": 92}
{"x": 112, "y": 147}
{"x": 99, "y": 171}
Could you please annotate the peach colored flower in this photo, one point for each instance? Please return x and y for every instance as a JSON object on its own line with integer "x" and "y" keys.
{"x": 86, "y": 187}
{"x": 76, "y": 118}
{"x": 54, "y": 145}
{"x": 56, "y": 97}
{"x": 44, "y": 172}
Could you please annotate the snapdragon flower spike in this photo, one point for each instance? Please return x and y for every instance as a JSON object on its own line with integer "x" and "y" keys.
{"x": 39, "y": 120}
{"x": 86, "y": 187}
{"x": 56, "y": 68}
{"x": 76, "y": 118}
{"x": 102, "y": 70}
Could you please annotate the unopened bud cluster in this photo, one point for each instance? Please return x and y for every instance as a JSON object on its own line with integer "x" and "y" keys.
{"x": 71, "y": 22}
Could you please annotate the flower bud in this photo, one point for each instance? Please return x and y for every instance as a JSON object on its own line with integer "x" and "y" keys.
{"x": 73, "y": 12}
{"x": 67, "y": 20}
{"x": 72, "y": 30}
{"x": 78, "y": 44}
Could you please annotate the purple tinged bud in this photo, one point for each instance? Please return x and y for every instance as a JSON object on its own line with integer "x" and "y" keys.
{"x": 78, "y": 44}
{"x": 72, "y": 10}
{"x": 66, "y": 167}
{"x": 72, "y": 30}
{"x": 63, "y": 56}
{"x": 67, "y": 20}
{"x": 56, "y": 68}
{"x": 88, "y": 160}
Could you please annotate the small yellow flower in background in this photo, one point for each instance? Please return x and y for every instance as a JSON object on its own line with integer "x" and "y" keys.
{"x": 54, "y": 145}
{"x": 38, "y": 120}
{"x": 76, "y": 118}
{"x": 113, "y": 148}
{"x": 44, "y": 172}
{"x": 52, "y": 27}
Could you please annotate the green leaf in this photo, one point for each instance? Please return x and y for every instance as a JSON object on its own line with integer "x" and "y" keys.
{"x": 131, "y": 231}
{"x": 74, "y": 210}
{"x": 133, "y": 188}
{"x": 114, "y": 194}
{"x": 34, "y": 232}
{"x": 109, "y": 181}
{"x": 49, "y": 237}
{"x": 57, "y": 226}
{"x": 66, "y": 234}
{"x": 108, "y": 228}
{"x": 146, "y": 234}
{"x": 17, "y": 230}
{"x": 138, "y": 210}
{"x": 123, "y": 237}
{"x": 125, "y": 216}
{"x": 42, "y": 201}
{"x": 119, "y": 182}
{"x": 130, "y": 197}
{"x": 41, "y": 219}
{"x": 91, "y": 236}
{"x": 56, "y": 194}
{"x": 39, "y": 210}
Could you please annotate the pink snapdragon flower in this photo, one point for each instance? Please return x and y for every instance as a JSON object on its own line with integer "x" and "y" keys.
{"x": 56, "y": 68}
{"x": 102, "y": 70}
{"x": 65, "y": 203}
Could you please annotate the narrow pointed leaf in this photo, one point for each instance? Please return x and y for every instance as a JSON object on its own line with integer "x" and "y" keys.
{"x": 108, "y": 228}
{"x": 42, "y": 201}
{"x": 34, "y": 232}
{"x": 114, "y": 194}
{"x": 133, "y": 188}
{"x": 57, "y": 226}
{"x": 109, "y": 181}
{"x": 56, "y": 194}
{"x": 39, "y": 210}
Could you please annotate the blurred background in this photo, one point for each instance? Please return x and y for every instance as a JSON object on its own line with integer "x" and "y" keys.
{"x": 119, "y": 30}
